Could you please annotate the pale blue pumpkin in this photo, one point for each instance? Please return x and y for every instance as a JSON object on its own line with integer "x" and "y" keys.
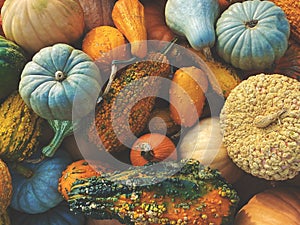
{"x": 38, "y": 193}
{"x": 253, "y": 34}
{"x": 61, "y": 83}
{"x": 59, "y": 215}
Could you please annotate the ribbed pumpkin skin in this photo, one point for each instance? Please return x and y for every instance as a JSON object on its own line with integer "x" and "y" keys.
{"x": 20, "y": 129}
{"x": 256, "y": 43}
{"x": 59, "y": 215}
{"x": 5, "y": 188}
{"x": 12, "y": 61}
{"x": 53, "y": 97}
{"x": 39, "y": 193}
{"x": 4, "y": 219}
{"x": 39, "y": 23}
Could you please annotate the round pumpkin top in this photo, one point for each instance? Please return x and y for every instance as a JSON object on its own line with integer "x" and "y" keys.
{"x": 260, "y": 122}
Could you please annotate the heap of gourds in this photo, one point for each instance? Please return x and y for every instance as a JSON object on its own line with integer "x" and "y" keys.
{"x": 94, "y": 88}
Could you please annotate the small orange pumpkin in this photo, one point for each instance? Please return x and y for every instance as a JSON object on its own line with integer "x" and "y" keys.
{"x": 152, "y": 147}
{"x": 77, "y": 170}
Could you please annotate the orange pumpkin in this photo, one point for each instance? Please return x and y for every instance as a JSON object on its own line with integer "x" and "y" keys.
{"x": 274, "y": 206}
{"x": 78, "y": 170}
{"x": 152, "y": 147}
{"x": 102, "y": 222}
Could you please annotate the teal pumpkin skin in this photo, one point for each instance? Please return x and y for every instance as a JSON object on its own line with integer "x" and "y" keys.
{"x": 59, "y": 215}
{"x": 12, "y": 62}
{"x": 60, "y": 83}
{"x": 39, "y": 193}
{"x": 193, "y": 19}
{"x": 253, "y": 34}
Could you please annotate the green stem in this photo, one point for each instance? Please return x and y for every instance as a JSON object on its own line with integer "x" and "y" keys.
{"x": 62, "y": 129}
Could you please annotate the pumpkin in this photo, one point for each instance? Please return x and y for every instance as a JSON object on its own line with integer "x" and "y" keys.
{"x": 35, "y": 25}
{"x": 291, "y": 9}
{"x": 156, "y": 26}
{"x": 289, "y": 63}
{"x": 4, "y": 219}
{"x": 58, "y": 215}
{"x": 5, "y": 187}
{"x": 129, "y": 17}
{"x": 20, "y": 129}
{"x": 274, "y": 206}
{"x": 77, "y": 170}
{"x": 13, "y": 59}
{"x": 152, "y": 147}
{"x": 256, "y": 42}
{"x": 60, "y": 83}
{"x": 204, "y": 143}
{"x": 187, "y": 95}
{"x": 105, "y": 44}
{"x": 259, "y": 123}
{"x": 97, "y": 13}
{"x": 194, "y": 20}
{"x": 38, "y": 193}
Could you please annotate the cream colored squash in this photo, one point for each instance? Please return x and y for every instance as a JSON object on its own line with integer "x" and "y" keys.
{"x": 204, "y": 143}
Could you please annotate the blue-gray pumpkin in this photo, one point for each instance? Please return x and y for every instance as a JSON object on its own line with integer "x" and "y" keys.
{"x": 253, "y": 34}
{"x": 39, "y": 192}
{"x": 60, "y": 83}
{"x": 59, "y": 215}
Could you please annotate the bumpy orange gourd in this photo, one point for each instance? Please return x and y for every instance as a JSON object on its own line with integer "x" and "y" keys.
{"x": 5, "y": 187}
{"x": 129, "y": 17}
{"x": 187, "y": 95}
{"x": 152, "y": 147}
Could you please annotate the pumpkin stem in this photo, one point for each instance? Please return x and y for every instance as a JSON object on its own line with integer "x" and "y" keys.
{"x": 146, "y": 151}
{"x": 62, "y": 129}
{"x": 59, "y": 76}
{"x": 264, "y": 121}
{"x": 251, "y": 23}
{"x": 24, "y": 171}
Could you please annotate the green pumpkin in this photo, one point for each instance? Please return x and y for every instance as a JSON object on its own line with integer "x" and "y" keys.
{"x": 59, "y": 215}
{"x": 61, "y": 83}
{"x": 253, "y": 34}
{"x": 193, "y": 19}
{"x": 38, "y": 192}
{"x": 12, "y": 61}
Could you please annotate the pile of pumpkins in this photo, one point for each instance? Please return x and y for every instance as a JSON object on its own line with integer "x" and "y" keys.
{"x": 57, "y": 55}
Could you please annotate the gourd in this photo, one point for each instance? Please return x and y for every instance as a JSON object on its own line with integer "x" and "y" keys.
{"x": 187, "y": 95}
{"x": 91, "y": 221}
{"x": 289, "y": 63}
{"x": 152, "y": 147}
{"x": 254, "y": 43}
{"x": 271, "y": 207}
{"x": 77, "y": 170}
{"x": 58, "y": 215}
{"x": 185, "y": 191}
{"x": 60, "y": 83}
{"x": 97, "y": 13}
{"x": 156, "y": 26}
{"x": 194, "y": 20}
{"x": 20, "y": 129}
{"x": 5, "y": 187}
{"x": 129, "y": 17}
{"x": 13, "y": 59}
{"x": 38, "y": 192}
{"x": 4, "y": 219}
{"x": 204, "y": 143}
{"x": 36, "y": 24}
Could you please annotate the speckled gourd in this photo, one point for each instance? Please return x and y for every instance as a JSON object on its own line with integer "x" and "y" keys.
{"x": 5, "y": 188}
{"x": 20, "y": 129}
